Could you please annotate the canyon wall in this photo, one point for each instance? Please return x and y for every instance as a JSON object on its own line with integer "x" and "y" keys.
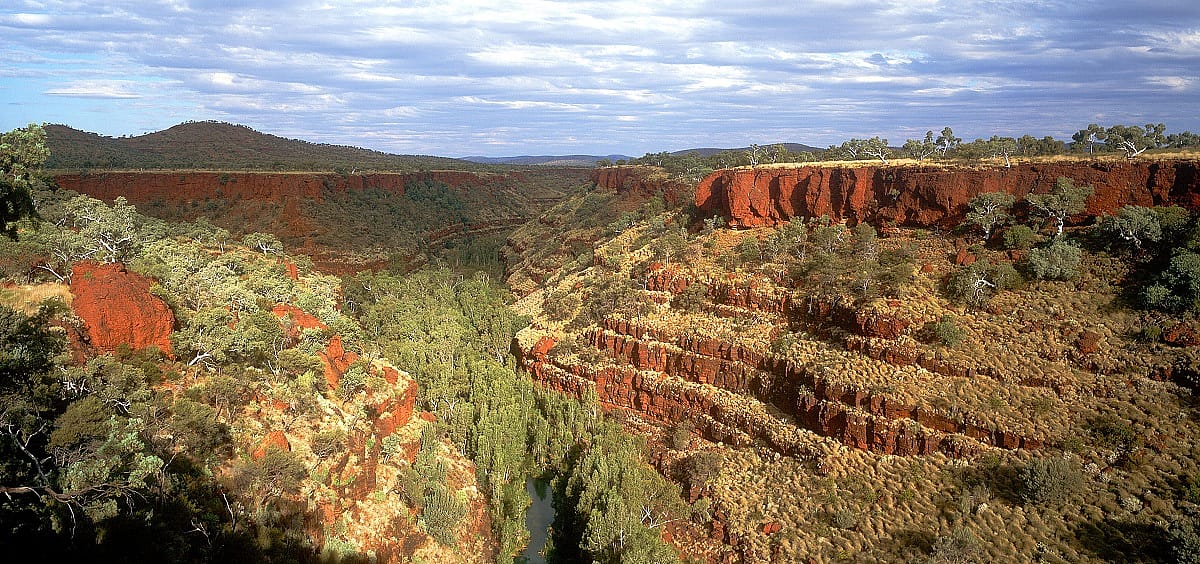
{"x": 143, "y": 187}
{"x": 638, "y": 183}
{"x": 931, "y": 196}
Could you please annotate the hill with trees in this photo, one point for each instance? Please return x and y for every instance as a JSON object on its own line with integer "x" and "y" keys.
{"x": 213, "y": 145}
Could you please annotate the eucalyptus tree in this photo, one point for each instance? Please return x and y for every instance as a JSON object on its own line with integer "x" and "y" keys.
{"x": 946, "y": 141}
{"x": 920, "y": 150}
{"x": 1065, "y": 200}
{"x": 22, "y": 153}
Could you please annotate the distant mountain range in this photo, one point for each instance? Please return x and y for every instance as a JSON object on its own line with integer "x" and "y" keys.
{"x": 547, "y": 160}
{"x": 225, "y": 146}
{"x": 709, "y": 151}
{"x": 590, "y": 160}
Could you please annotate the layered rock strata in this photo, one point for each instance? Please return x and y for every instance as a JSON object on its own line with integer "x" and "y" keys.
{"x": 929, "y": 196}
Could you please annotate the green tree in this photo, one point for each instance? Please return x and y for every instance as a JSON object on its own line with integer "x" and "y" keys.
{"x": 1132, "y": 227}
{"x": 1057, "y": 261}
{"x": 989, "y": 210}
{"x": 670, "y": 245}
{"x": 1177, "y": 289}
{"x": 877, "y": 148}
{"x": 947, "y": 142}
{"x": 1134, "y": 140}
{"x": 920, "y": 149}
{"x": 1029, "y": 146}
{"x": 264, "y": 242}
{"x": 1087, "y": 138}
{"x": 22, "y": 153}
{"x": 1002, "y": 147}
{"x": 1064, "y": 201}
{"x": 975, "y": 284}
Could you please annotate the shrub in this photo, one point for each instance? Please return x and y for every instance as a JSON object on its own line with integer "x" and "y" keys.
{"x": 441, "y": 513}
{"x": 1057, "y": 261}
{"x": 701, "y": 467}
{"x": 328, "y": 442}
{"x": 974, "y": 285}
{"x": 1006, "y": 277}
{"x": 1150, "y": 334}
{"x": 1019, "y": 237}
{"x": 560, "y": 305}
{"x": 845, "y": 518}
{"x": 1178, "y": 288}
{"x": 1047, "y": 480}
{"x": 958, "y": 546}
{"x": 352, "y": 382}
{"x": 680, "y": 435}
{"x": 1113, "y": 432}
{"x": 946, "y": 332}
{"x": 691, "y": 298}
{"x": 1185, "y": 541}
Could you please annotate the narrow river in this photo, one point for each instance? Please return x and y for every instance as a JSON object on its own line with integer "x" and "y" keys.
{"x": 538, "y": 519}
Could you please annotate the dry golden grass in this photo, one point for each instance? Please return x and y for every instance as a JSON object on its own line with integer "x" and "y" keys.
{"x": 25, "y": 297}
{"x": 1029, "y": 377}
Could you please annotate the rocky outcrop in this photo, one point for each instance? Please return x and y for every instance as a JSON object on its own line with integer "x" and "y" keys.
{"x": 927, "y": 196}
{"x": 674, "y": 378}
{"x": 295, "y": 319}
{"x": 638, "y": 182}
{"x": 117, "y": 308}
{"x": 336, "y": 360}
{"x": 274, "y": 439}
{"x": 396, "y": 411}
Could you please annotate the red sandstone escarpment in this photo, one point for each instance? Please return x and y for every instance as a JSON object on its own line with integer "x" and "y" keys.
{"x": 117, "y": 308}
{"x": 143, "y": 187}
{"x": 926, "y": 196}
{"x": 638, "y": 182}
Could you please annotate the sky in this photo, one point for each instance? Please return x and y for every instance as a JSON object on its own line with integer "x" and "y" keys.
{"x": 501, "y": 78}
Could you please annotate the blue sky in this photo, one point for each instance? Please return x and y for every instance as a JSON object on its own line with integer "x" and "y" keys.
{"x": 500, "y": 78}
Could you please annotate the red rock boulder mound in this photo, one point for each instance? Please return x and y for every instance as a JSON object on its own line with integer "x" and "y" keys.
{"x": 117, "y": 308}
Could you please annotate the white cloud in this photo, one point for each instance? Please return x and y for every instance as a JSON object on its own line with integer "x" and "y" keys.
{"x": 115, "y": 89}
{"x": 626, "y": 75}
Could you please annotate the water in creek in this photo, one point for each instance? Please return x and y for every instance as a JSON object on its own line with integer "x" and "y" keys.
{"x": 538, "y": 519}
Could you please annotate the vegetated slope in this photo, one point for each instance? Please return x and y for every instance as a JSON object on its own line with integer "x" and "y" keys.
{"x": 283, "y": 428}
{"x": 268, "y": 436}
{"x": 344, "y": 221}
{"x": 615, "y": 197}
{"x": 211, "y": 145}
{"x": 784, "y": 366}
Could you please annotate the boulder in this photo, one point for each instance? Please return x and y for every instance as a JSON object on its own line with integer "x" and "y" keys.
{"x": 117, "y": 308}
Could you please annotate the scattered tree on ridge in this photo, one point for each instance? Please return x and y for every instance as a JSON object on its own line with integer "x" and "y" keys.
{"x": 920, "y": 150}
{"x": 947, "y": 142}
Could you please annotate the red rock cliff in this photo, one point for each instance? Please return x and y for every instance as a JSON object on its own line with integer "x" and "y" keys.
{"x": 140, "y": 187}
{"x": 926, "y": 196}
{"x": 117, "y": 307}
{"x": 639, "y": 182}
